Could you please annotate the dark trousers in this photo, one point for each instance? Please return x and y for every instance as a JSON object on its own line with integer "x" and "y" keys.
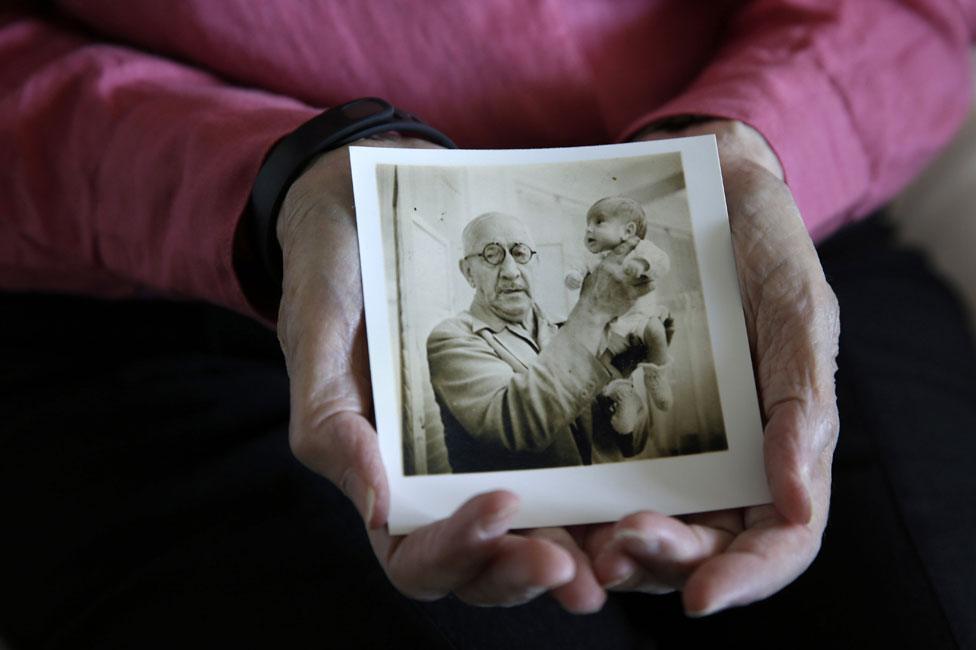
{"x": 148, "y": 497}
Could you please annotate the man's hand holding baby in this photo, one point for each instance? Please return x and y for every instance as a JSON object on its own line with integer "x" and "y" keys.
{"x": 608, "y": 291}
{"x": 635, "y": 269}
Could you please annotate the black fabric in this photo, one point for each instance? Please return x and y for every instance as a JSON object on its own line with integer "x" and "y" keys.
{"x": 898, "y": 564}
{"x": 148, "y": 497}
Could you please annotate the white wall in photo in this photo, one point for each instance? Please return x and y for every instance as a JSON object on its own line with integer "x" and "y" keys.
{"x": 431, "y": 206}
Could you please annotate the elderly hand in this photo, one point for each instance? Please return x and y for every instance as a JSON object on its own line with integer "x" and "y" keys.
{"x": 733, "y": 557}
{"x": 607, "y": 293}
{"x": 611, "y": 289}
{"x": 321, "y": 329}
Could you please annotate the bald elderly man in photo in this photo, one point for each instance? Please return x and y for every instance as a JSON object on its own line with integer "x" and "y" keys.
{"x": 515, "y": 391}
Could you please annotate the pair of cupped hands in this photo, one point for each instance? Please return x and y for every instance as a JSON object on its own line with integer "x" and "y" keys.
{"x": 716, "y": 559}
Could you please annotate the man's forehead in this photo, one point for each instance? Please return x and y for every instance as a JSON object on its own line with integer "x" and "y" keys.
{"x": 503, "y": 229}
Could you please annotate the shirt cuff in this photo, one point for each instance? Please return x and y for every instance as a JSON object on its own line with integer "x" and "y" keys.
{"x": 806, "y": 124}
{"x": 237, "y": 281}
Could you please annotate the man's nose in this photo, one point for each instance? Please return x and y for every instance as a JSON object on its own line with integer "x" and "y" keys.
{"x": 509, "y": 268}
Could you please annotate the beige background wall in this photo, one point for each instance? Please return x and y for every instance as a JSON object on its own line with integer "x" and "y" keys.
{"x": 937, "y": 212}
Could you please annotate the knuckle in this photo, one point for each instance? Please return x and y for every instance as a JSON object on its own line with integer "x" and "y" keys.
{"x": 830, "y": 433}
{"x": 344, "y": 483}
{"x": 331, "y": 441}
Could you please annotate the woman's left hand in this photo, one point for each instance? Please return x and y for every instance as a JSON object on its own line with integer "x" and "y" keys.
{"x": 733, "y": 557}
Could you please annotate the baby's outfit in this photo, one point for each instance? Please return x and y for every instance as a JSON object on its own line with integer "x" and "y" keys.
{"x": 650, "y": 260}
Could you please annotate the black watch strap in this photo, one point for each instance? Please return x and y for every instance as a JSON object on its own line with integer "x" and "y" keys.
{"x": 336, "y": 127}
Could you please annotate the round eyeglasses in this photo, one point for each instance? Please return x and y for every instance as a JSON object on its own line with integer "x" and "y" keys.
{"x": 494, "y": 253}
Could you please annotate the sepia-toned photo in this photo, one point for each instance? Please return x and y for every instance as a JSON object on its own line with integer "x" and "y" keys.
{"x": 490, "y": 263}
{"x": 542, "y": 315}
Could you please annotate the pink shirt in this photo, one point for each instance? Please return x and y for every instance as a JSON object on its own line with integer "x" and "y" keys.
{"x": 130, "y": 132}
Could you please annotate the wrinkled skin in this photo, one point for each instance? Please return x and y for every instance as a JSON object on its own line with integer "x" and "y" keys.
{"x": 717, "y": 559}
{"x": 321, "y": 329}
{"x": 734, "y": 557}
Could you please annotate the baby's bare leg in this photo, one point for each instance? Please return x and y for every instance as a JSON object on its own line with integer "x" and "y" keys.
{"x": 655, "y": 370}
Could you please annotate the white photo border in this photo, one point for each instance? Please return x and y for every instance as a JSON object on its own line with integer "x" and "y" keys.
{"x": 596, "y": 493}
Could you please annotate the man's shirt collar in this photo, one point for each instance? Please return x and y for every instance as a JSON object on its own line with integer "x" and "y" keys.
{"x": 484, "y": 318}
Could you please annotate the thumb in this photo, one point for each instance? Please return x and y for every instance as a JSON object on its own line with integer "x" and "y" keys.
{"x": 344, "y": 449}
{"x": 328, "y": 431}
{"x": 786, "y": 471}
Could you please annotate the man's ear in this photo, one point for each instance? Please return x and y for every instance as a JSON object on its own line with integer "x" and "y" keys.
{"x": 630, "y": 229}
{"x": 466, "y": 271}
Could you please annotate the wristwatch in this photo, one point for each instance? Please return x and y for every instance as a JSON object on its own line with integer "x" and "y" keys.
{"x": 288, "y": 158}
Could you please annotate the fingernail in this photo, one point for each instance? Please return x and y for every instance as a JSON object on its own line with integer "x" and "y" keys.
{"x": 617, "y": 581}
{"x": 636, "y": 542}
{"x": 807, "y": 481}
{"x": 496, "y": 523}
{"x": 618, "y": 568}
{"x": 708, "y": 611}
{"x": 370, "y": 505}
{"x": 718, "y": 604}
{"x": 805, "y": 510}
{"x": 531, "y": 593}
{"x": 361, "y": 494}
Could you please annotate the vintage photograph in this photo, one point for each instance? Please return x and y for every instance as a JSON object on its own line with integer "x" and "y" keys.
{"x": 490, "y": 263}
{"x": 538, "y": 314}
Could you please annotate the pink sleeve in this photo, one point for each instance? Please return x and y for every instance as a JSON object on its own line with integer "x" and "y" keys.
{"x": 853, "y": 96}
{"x": 124, "y": 173}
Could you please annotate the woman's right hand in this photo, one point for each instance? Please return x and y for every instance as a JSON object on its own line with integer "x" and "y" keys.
{"x": 321, "y": 329}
